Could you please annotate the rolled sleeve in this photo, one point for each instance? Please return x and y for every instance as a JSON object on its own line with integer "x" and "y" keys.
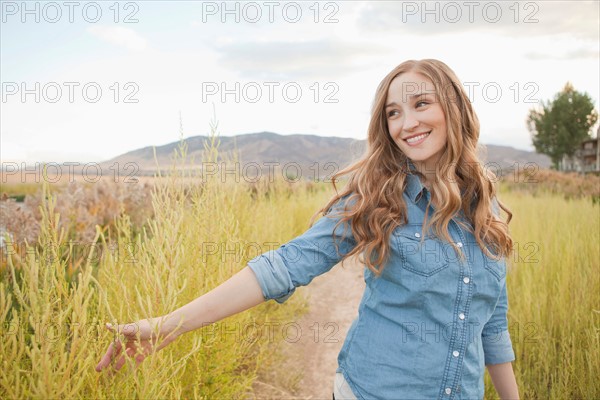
{"x": 299, "y": 261}
{"x": 495, "y": 338}
{"x": 272, "y": 275}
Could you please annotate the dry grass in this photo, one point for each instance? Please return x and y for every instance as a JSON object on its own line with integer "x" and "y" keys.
{"x": 149, "y": 256}
{"x": 545, "y": 181}
{"x": 52, "y": 312}
{"x": 554, "y": 295}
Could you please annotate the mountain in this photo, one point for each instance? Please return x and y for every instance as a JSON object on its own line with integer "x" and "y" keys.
{"x": 294, "y": 154}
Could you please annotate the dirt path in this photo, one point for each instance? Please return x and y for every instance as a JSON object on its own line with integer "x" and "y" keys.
{"x": 333, "y": 300}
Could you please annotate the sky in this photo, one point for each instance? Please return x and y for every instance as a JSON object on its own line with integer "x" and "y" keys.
{"x": 87, "y": 81}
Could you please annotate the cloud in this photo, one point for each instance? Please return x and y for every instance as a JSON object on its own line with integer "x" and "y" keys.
{"x": 569, "y": 55}
{"x": 576, "y": 18}
{"x": 296, "y": 60}
{"x": 120, "y": 36}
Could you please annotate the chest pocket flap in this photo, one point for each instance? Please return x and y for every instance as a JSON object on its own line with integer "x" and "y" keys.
{"x": 423, "y": 256}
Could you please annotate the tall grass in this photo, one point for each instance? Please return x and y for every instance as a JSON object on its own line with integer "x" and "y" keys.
{"x": 554, "y": 296}
{"x": 53, "y": 304}
{"x": 200, "y": 234}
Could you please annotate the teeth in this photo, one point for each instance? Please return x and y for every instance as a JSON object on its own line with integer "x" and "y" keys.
{"x": 417, "y": 138}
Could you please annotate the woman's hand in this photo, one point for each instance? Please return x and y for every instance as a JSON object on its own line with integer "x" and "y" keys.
{"x": 240, "y": 292}
{"x": 148, "y": 342}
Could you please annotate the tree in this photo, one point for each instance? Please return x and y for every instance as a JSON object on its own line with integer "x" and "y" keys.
{"x": 559, "y": 127}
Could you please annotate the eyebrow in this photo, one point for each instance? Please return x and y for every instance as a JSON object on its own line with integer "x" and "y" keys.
{"x": 393, "y": 103}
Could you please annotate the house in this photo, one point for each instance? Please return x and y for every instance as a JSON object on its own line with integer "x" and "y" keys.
{"x": 585, "y": 159}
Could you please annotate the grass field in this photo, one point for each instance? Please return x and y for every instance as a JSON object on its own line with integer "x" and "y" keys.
{"x": 55, "y": 297}
{"x": 554, "y": 296}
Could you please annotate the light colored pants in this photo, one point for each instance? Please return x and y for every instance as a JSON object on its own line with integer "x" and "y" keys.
{"x": 341, "y": 389}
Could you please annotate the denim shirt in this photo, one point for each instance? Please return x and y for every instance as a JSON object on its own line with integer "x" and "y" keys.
{"x": 427, "y": 326}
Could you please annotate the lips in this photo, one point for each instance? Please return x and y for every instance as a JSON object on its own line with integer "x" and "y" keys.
{"x": 417, "y": 138}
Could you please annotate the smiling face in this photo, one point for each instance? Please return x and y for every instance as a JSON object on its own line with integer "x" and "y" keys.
{"x": 416, "y": 121}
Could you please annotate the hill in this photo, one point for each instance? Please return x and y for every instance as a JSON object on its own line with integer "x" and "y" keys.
{"x": 298, "y": 153}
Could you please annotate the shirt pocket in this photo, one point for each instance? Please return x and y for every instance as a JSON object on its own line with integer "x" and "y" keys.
{"x": 495, "y": 266}
{"x": 425, "y": 257}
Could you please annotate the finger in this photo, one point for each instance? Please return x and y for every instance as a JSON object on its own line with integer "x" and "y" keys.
{"x": 129, "y": 352}
{"x": 129, "y": 330}
{"x": 163, "y": 343}
{"x": 139, "y": 358}
{"x": 119, "y": 364}
{"x": 114, "y": 349}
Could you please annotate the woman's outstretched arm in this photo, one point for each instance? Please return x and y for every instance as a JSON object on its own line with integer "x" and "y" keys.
{"x": 240, "y": 292}
{"x": 237, "y": 294}
{"x": 272, "y": 275}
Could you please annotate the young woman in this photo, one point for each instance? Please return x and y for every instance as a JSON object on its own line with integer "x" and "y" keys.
{"x": 423, "y": 216}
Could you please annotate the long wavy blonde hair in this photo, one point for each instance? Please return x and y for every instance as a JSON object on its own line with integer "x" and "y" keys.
{"x": 378, "y": 178}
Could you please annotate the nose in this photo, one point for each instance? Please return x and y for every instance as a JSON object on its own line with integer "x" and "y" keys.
{"x": 410, "y": 122}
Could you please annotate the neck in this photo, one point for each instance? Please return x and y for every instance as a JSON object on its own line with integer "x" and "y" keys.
{"x": 429, "y": 174}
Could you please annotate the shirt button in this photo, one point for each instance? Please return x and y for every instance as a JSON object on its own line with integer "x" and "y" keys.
{"x": 417, "y": 234}
{"x": 466, "y": 279}
{"x": 455, "y": 353}
{"x": 448, "y": 390}
{"x": 461, "y": 316}
{"x": 459, "y": 244}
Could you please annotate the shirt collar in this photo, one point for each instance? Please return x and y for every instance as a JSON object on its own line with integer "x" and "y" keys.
{"x": 414, "y": 187}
